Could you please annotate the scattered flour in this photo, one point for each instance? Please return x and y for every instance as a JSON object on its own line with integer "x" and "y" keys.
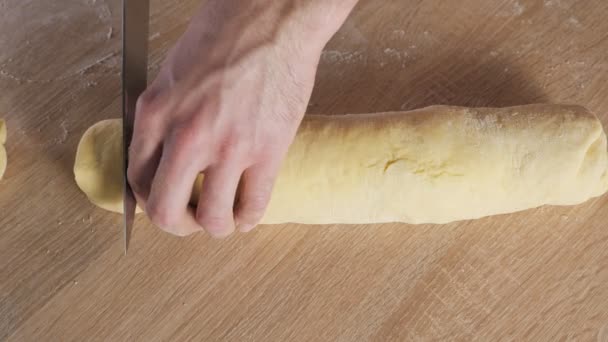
{"x": 61, "y": 138}
{"x": 343, "y": 57}
{"x": 398, "y": 34}
{"x": 514, "y": 10}
{"x": 154, "y": 36}
{"x": 574, "y": 23}
{"x": 59, "y": 22}
{"x": 552, "y": 3}
{"x": 394, "y": 53}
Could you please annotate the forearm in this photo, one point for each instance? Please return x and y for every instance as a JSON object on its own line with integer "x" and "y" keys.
{"x": 236, "y": 27}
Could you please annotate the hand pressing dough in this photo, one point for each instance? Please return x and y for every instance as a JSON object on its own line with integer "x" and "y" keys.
{"x": 3, "y": 159}
{"x": 434, "y": 165}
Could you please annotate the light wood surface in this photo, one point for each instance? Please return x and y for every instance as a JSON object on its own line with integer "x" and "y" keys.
{"x": 540, "y": 275}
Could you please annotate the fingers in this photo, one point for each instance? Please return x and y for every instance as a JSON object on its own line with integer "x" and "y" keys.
{"x": 166, "y": 156}
{"x": 215, "y": 205}
{"x": 254, "y": 194}
{"x": 146, "y": 144}
{"x": 143, "y": 161}
{"x": 167, "y": 205}
{"x": 146, "y": 157}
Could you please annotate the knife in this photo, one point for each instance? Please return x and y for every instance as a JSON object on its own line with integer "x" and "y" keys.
{"x": 135, "y": 22}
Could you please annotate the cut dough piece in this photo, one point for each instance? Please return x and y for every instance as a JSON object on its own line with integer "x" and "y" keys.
{"x": 3, "y": 158}
{"x": 98, "y": 167}
{"x": 434, "y": 165}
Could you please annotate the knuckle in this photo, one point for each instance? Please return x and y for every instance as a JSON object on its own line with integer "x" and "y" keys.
{"x": 142, "y": 126}
{"x": 233, "y": 145}
{"x": 183, "y": 135}
{"x": 145, "y": 120}
{"x": 145, "y": 102}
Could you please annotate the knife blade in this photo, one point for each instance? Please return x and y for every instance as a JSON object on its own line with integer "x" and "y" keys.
{"x": 135, "y": 24}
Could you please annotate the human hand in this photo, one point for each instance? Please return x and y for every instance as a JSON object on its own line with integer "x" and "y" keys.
{"x": 227, "y": 102}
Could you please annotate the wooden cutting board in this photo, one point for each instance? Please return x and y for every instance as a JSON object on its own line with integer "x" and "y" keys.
{"x": 536, "y": 275}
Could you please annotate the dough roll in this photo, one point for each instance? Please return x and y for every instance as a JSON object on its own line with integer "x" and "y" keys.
{"x": 433, "y": 165}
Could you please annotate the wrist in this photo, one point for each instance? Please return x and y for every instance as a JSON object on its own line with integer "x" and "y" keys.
{"x": 315, "y": 22}
{"x": 224, "y": 30}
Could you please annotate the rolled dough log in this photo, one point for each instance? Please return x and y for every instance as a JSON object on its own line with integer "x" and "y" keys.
{"x": 3, "y": 159}
{"x": 434, "y": 165}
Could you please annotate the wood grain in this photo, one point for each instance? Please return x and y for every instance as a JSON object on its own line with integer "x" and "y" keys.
{"x": 540, "y": 275}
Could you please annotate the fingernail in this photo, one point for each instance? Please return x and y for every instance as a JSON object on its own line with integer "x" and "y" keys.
{"x": 245, "y": 227}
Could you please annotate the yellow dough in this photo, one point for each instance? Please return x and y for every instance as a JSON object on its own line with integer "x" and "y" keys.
{"x": 434, "y": 165}
{"x": 3, "y": 159}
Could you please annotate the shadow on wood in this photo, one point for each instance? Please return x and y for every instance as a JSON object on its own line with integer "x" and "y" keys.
{"x": 459, "y": 77}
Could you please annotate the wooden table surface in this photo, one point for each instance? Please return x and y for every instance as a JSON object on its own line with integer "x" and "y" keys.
{"x": 536, "y": 275}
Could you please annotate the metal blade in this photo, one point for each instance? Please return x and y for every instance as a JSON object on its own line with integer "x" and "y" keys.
{"x": 135, "y": 24}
